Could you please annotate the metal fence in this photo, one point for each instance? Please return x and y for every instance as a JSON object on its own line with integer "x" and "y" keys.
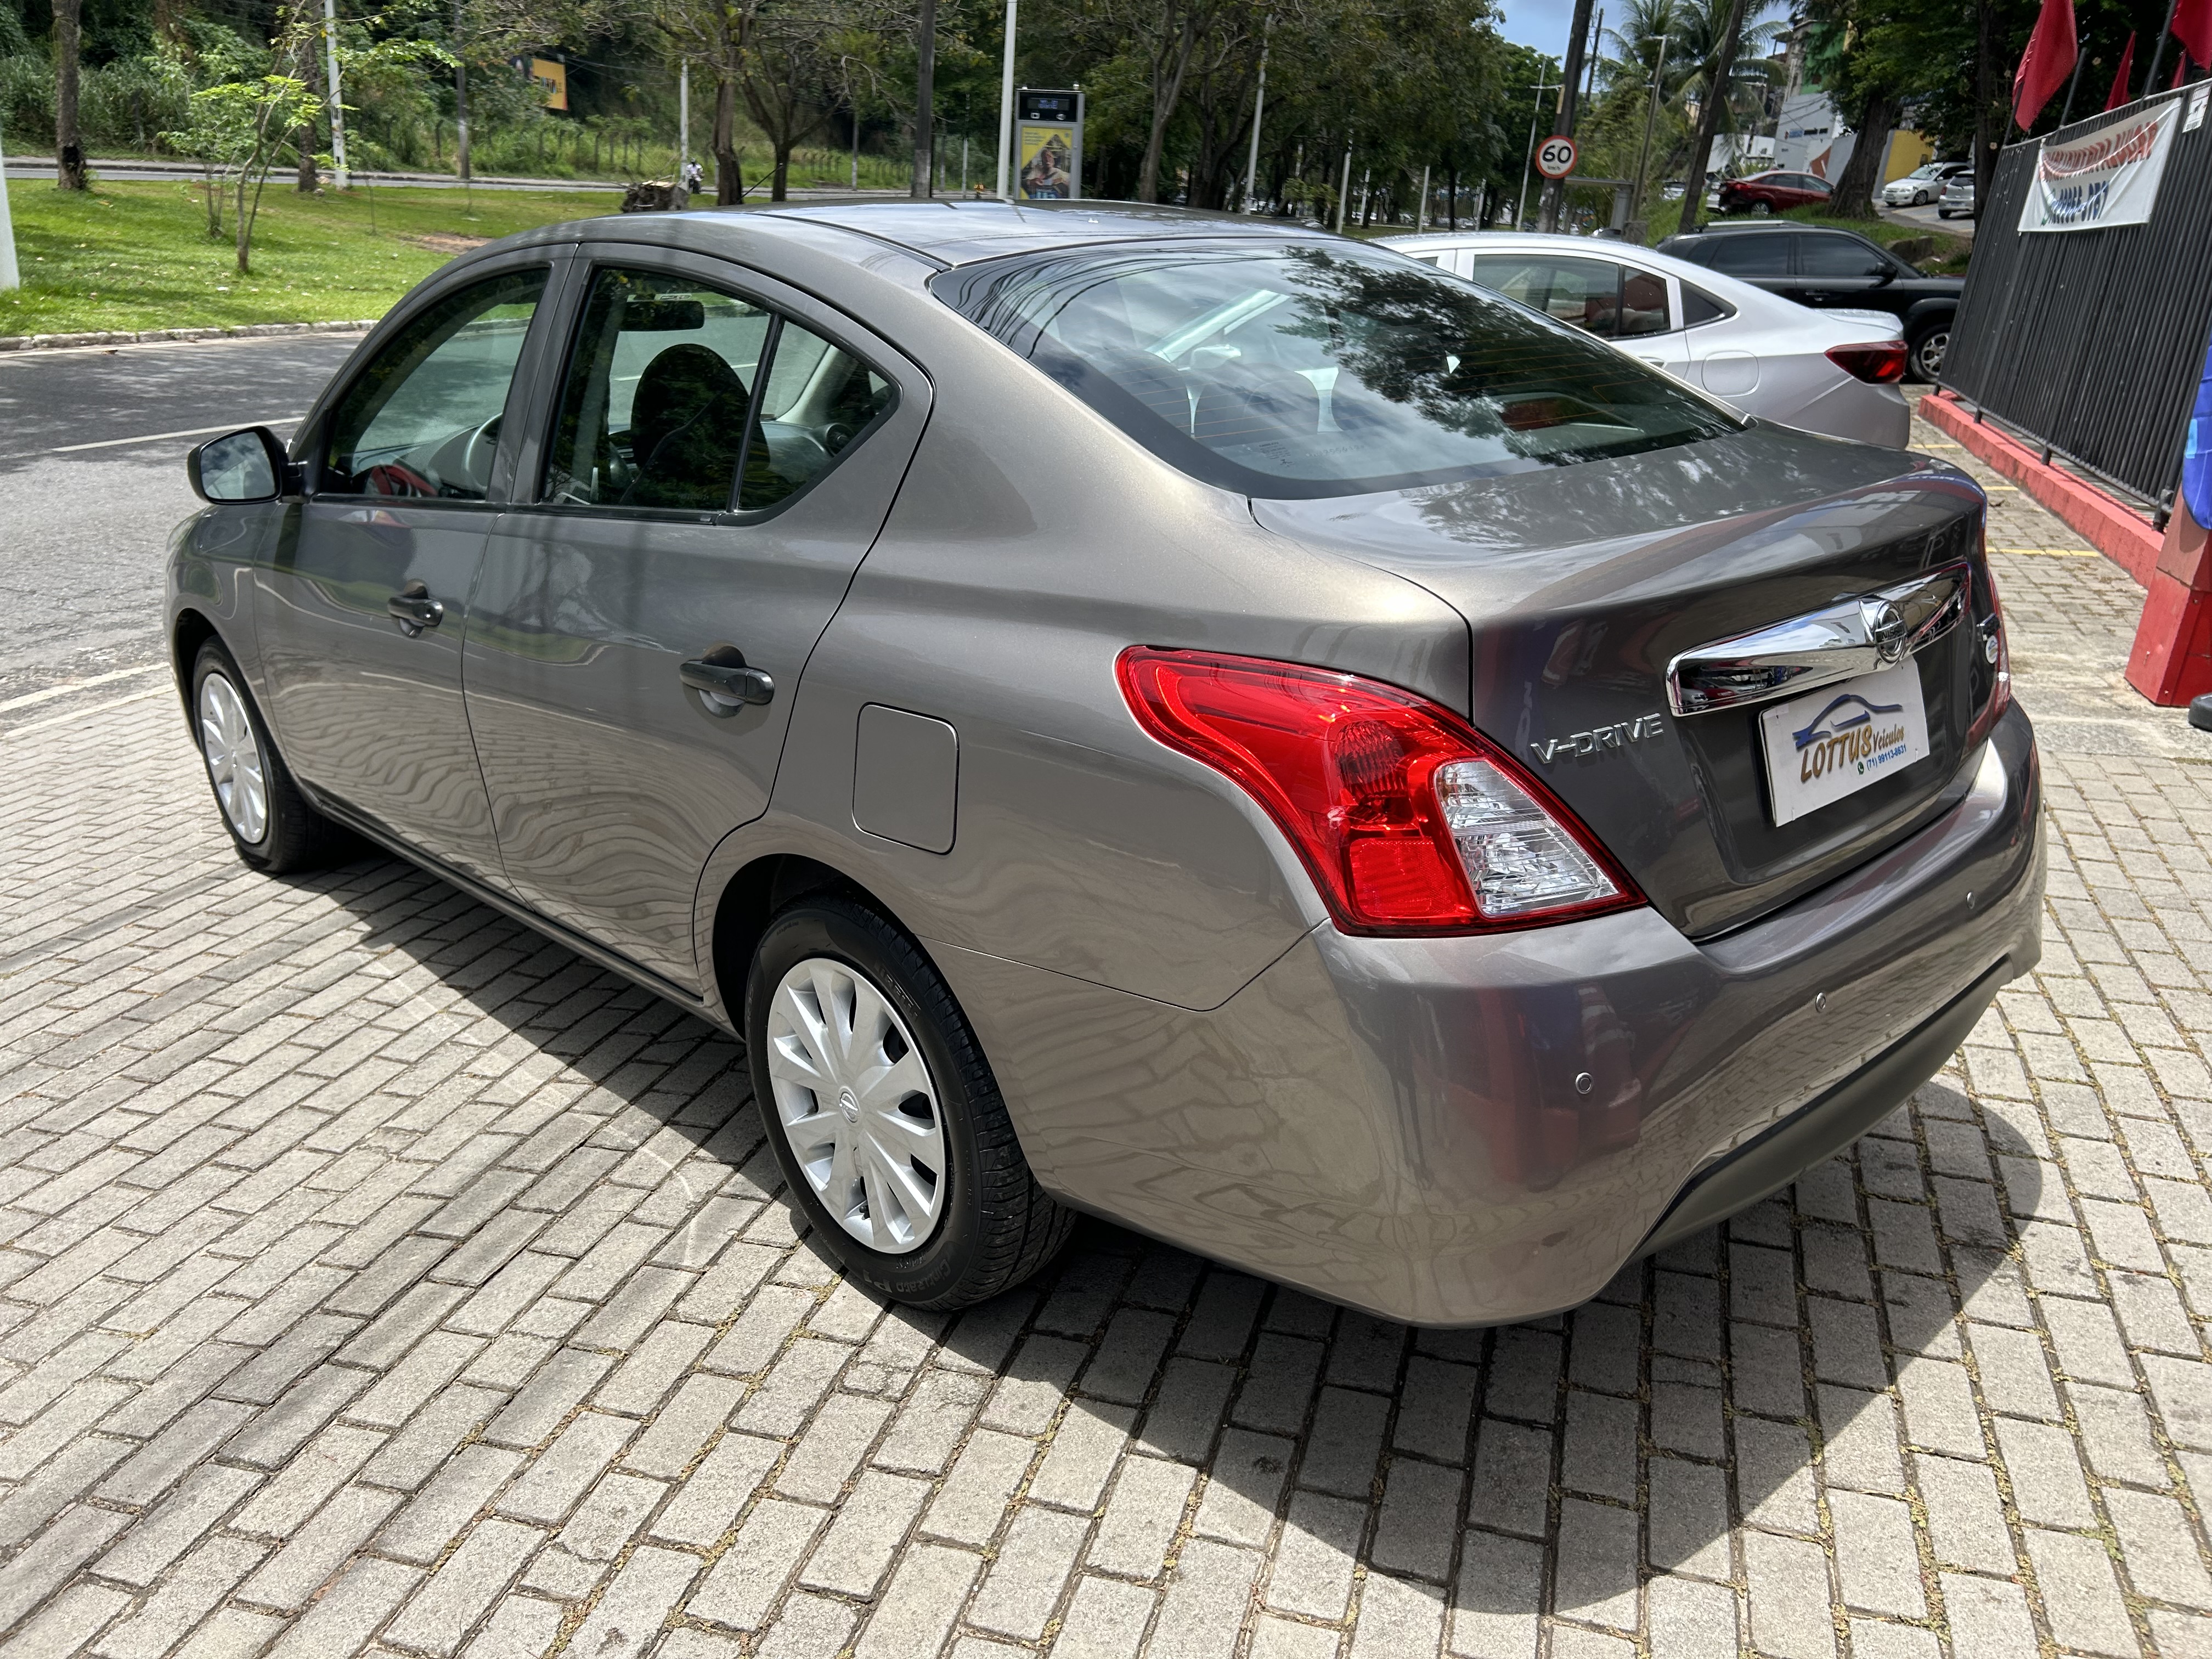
{"x": 2092, "y": 342}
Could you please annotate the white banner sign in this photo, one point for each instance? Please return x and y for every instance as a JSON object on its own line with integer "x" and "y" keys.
{"x": 2107, "y": 177}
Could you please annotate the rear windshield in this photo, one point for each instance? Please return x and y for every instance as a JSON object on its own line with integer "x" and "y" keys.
{"x": 1298, "y": 371}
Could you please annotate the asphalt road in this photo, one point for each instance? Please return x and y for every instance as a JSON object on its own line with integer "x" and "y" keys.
{"x": 92, "y": 481}
{"x": 1926, "y": 218}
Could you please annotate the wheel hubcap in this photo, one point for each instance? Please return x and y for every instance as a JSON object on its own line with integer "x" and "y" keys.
{"x": 233, "y": 759}
{"x": 858, "y": 1105}
{"x": 1931, "y": 353}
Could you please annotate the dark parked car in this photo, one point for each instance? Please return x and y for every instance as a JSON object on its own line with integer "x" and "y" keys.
{"x": 1771, "y": 192}
{"x": 1837, "y": 270}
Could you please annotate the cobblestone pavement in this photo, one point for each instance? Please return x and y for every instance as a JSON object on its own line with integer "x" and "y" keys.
{"x": 374, "y": 1277}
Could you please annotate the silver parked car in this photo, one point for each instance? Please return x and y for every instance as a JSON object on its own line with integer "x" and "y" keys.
{"x": 1924, "y": 184}
{"x": 1831, "y": 371}
{"x": 1957, "y": 200}
{"x": 1194, "y": 721}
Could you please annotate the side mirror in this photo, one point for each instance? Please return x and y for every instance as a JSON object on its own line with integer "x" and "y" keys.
{"x": 1885, "y": 275}
{"x": 239, "y": 468}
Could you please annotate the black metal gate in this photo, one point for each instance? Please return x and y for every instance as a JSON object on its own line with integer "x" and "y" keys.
{"x": 2093, "y": 341}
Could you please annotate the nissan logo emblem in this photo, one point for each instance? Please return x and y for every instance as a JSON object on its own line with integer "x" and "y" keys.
{"x": 1885, "y": 626}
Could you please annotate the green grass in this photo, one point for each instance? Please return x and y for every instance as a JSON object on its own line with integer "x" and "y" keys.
{"x": 131, "y": 256}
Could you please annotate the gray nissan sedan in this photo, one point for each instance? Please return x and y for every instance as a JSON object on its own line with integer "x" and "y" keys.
{"x": 1191, "y": 720}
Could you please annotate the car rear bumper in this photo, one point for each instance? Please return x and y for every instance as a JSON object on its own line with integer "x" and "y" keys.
{"x": 1476, "y": 1130}
{"x": 1851, "y": 408}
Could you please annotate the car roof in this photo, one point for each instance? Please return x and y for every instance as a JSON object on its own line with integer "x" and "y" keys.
{"x": 957, "y": 232}
{"x": 1518, "y": 241}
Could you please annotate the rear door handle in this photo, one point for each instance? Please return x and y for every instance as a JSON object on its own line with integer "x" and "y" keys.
{"x": 414, "y": 610}
{"x": 728, "y": 683}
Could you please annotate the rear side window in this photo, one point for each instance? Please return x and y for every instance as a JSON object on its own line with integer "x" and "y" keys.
{"x": 1699, "y": 307}
{"x": 1612, "y": 301}
{"x": 1302, "y": 371}
{"x": 683, "y": 396}
{"x": 1838, "y": 256}
{"x": 1753, "y": 255}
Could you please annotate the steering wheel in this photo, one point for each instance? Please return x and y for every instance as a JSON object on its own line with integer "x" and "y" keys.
{"x": 477, "y": 456}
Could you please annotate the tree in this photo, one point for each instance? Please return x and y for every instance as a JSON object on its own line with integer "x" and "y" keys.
{"x": 69, "y": 147}
{"x": 1715, "y": 50}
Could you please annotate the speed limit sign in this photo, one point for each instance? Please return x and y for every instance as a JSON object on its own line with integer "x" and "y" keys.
{"x": 1555, "y": 157}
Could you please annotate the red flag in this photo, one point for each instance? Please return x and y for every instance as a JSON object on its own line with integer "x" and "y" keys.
{"x": 2180, "y": 73}
{"x": 2192, "y": 26}
{"x": 2120, "y": 81}
{"x": 2049, "y": 60}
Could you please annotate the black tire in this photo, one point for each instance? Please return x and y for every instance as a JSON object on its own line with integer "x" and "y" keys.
{"x": 996, "y": 1227}
{"x": 1924, "y": 354}
{"x": 292, "y": 836}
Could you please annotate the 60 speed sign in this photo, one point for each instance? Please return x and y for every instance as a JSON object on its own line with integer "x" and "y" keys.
{"x": 1555, "y": 157}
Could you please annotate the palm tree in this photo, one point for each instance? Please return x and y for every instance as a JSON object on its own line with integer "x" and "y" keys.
{"x": 1635, "y": 43}
{"x": 1698, "y": 39}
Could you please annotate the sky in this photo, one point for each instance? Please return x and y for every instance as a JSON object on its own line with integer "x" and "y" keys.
{"x": 1543, "y": 24}
{"x": 1540, "y": 24}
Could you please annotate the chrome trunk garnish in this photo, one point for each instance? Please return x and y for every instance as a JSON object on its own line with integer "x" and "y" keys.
{"x": 1850, "y": 637}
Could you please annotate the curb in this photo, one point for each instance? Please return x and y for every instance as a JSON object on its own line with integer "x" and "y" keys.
{"x": 154, "y": 336}
{"x": 2117, "y": 532}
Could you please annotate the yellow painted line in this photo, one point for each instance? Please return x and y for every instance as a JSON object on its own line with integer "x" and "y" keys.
{"x": 2053, "y": 552}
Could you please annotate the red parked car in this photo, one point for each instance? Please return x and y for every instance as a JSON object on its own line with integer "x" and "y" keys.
{"x": 1770, "y": 192}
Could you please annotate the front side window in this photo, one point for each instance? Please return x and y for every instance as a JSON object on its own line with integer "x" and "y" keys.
{"x": 423, "y": 417}
{"x": 1303, "y": 371}
{"x": 671, "y": 380}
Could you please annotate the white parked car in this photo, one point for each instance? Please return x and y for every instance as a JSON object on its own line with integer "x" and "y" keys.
{"x": 1835, "y": 372}
{"x": 1924, "y": 184}
{"x": 1958, "y": 197}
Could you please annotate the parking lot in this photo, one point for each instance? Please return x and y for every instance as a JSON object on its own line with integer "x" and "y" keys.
{"x": 375, "y": 1276}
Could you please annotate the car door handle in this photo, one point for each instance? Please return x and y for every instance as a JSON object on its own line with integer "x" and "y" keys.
{"x": 733, "y": 681}
{"x": 414, "y": 610}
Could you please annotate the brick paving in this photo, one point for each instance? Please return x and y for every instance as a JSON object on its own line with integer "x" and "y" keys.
{"x": 377, "y": 1277}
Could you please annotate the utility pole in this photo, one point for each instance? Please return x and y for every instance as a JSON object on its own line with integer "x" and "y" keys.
{"x": 10, "y": 276}
{"x": 924, "y": 95}
{"x": 2150, "y": 86}
{"x": 1650, "y": 119}
{"x": 338, "y": 98}
{"x": 460, "y": 101}
{"x": 1344, "y": 191}
{"x": 1562, "y": 124}
{"x": 1421, "y": 212}
{"x": 1259, "y": 108}
{"x": 1529, "y": 155}
{"x": 1006, "y": 110}
{"x": 683, "y": 117}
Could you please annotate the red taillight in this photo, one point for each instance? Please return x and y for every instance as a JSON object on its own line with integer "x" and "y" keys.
{"x": 1881, "y": 363}
{"x": 1409, "y": 821}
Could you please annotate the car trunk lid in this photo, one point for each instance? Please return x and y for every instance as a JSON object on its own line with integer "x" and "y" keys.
{"x": 1581, "y": 585}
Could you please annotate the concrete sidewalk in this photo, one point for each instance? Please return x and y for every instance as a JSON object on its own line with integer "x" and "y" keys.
{"x": 381, "y": 1278}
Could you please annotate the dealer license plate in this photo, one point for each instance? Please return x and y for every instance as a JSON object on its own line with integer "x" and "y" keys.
{"x": 1838, "y": 740}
